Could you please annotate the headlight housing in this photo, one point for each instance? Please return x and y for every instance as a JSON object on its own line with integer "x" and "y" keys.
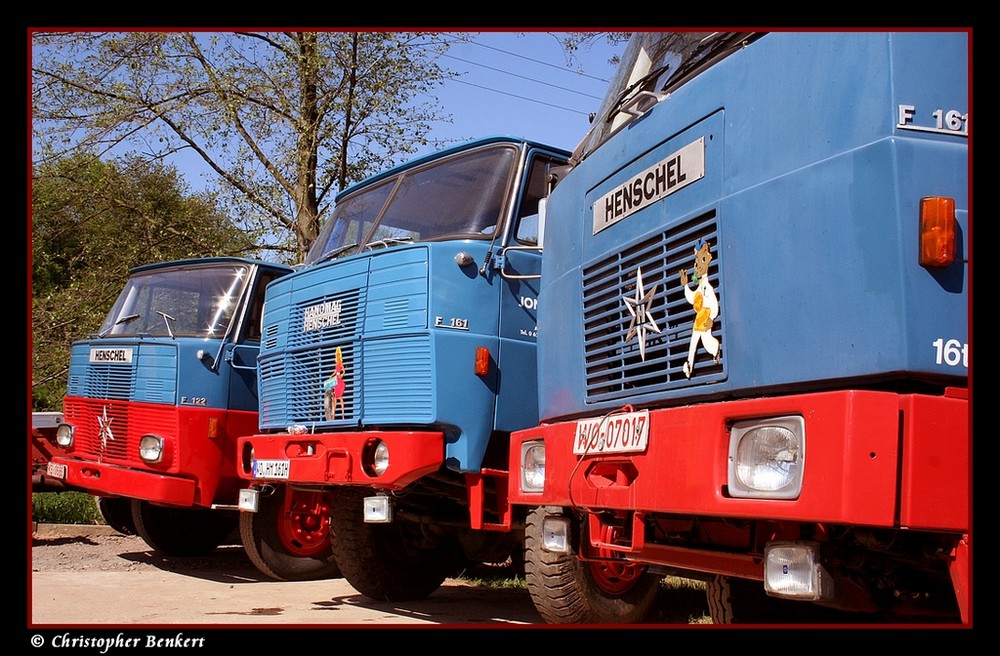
{"x": 793, "y": 570}
{"x": 64, "y": 435}
{"x": 151, "y": 448}
{"x": 767, "y": 458}
{"x": 533, "y": 466}
{"x": 375, "y": 457}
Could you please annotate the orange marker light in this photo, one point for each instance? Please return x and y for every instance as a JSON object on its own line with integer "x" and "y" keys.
{"x": 482, "y": 361}
{"x": 213, "y": 428}
{"x": 937, "y": 231}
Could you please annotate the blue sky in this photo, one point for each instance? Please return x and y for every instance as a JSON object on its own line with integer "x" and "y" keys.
{"x": 518, "y": 83}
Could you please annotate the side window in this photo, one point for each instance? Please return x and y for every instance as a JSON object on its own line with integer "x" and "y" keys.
{"x": 536, "y": 189}
{"x": 252, "y": 331}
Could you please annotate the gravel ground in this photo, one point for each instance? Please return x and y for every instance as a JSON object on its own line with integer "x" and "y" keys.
{"x": 76, "y": 548}
{"x": 71, "y": 548}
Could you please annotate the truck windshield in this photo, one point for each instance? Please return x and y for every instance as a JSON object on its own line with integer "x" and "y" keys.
{"x": 655, "y": 63}
{"x": 184, "y": 301}
{"x": 458, "y": 197}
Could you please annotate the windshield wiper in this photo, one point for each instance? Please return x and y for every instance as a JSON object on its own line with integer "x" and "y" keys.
{"x": 388, "y": 241}
{"x": 167, "y": 319}
{"x": 626, "y": 94}
{"x": 335, "y": 252}
{"x": 123, "y": 320}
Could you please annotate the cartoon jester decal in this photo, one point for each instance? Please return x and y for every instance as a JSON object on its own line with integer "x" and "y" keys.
{"x": 706, "y": 307}
{"x": 333, "y": 390}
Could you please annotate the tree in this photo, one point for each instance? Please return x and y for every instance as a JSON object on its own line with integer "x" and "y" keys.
{"x": 573, "y": 42}
{"x": 91, "y": 222}
{"x": 285, "y": 120}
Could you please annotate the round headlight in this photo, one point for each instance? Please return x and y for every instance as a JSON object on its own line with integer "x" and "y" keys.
{"x": 380, "y": 458}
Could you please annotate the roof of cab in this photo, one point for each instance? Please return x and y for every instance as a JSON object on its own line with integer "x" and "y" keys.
{"x": 208, "y": 260}
{"x": 468, "y": 145}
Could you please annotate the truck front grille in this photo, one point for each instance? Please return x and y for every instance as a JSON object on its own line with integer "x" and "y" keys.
{"x": 615, "y": 367}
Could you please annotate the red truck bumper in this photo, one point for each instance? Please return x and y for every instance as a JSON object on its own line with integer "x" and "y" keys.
{"x": 872, "y": 458}
{"x": 341, "y": 458}
{"x": 102, "y": 479}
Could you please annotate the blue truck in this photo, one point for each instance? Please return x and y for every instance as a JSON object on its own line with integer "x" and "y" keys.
{"x": 154, "y": 403}
{"x": 396, "y": 362}
{"x": 753, "y": 341}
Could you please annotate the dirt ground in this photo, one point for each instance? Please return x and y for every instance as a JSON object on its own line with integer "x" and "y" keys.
{"x": 71, "y": 548}
{"x": 100, "y": 578}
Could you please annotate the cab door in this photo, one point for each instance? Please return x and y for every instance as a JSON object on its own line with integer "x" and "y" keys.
{"x": 520, "y": 272}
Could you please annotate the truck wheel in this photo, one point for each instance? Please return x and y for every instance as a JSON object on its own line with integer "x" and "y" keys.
{"x": 567, "y": 590}
{"x": 117, "y": 513}
{"x": 389, "y": 562}
{"x": 176, "y": 531}
{"x": 288, "y": 538}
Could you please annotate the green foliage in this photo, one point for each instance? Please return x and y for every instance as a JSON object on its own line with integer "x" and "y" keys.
{"x": 65, "y": 508}
{"x": 92, "y": 221}
{"x": 283, "y": 120}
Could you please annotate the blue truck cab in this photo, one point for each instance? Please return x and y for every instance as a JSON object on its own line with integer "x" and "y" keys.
{"x": 158, "y": 395}
{"x": 753, "y": 344}
{"x": 396, "y": 362}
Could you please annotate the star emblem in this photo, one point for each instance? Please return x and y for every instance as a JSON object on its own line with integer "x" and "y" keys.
{"x": 642, "y": 320}
{"x": 105, "y": 428}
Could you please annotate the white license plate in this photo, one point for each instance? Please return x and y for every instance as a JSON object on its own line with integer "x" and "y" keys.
{"x": 627, "y": 432}
{"x": 56, "y": 470}
{"x": 270, "y": 468}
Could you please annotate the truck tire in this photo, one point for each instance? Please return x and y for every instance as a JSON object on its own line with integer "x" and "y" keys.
{"x": 397, "y": 561}
{"x": 174, "y": 531}
{"x": 288, "y": 538}
{"x": 734, "y": 600}
{"x": 117, "y": 513}
{"x": 567, "y": 590}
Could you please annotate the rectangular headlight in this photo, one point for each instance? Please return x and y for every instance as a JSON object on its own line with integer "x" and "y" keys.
{"x": 792, "y": 570}
{"x": 533, "y": 466}
{"x": 151, "y": 448}
{"x": 249, "y": 500}
{"x": 555, "y": 534}
{"x": 767, "y": 458}
{"x": 378, "y": 510}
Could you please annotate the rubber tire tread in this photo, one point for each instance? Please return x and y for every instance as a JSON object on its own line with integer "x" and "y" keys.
{"x": 734, "y": 600}
{"x": 265, "y": 549}
{"x": 563, "y": 589}
{"x": 378, "y": 561}
{"x": 117, "y": 513}
{"x": 182, "y": 531}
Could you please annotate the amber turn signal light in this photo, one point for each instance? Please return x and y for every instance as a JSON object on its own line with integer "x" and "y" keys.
{"x": 937, "y": 231}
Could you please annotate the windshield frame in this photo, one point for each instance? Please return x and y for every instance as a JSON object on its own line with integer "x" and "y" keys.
{"x": 195, "y": 300}
{"x": 654, "y": 65}
{"x": 464, "y": 194}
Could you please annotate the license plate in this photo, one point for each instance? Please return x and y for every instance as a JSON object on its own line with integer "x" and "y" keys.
{"x": 56, "y": 470}
{"x": 270, "y": 468}
{"x": 627, "y": 432}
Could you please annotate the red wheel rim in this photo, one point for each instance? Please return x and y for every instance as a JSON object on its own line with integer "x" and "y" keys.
{"x": 304, "y": 523}
{"x": 612, "y": 576}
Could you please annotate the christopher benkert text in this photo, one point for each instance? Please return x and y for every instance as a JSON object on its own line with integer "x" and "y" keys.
{"x": 122, "y": 641}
